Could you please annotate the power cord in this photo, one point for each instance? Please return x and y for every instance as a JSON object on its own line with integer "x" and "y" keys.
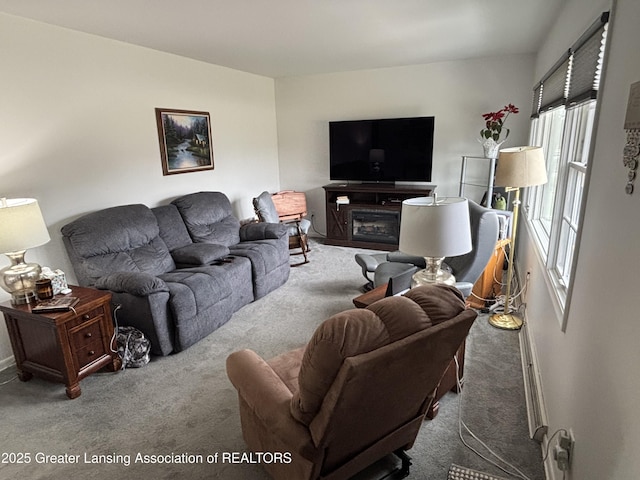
{"x": 462, "y": 425}
{"x": 8, "y": 381}
{"x": 114, "y": 338}
{"x": 313, "y": 226}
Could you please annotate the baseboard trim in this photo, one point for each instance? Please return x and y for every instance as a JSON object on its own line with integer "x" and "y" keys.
{"x": 536, "y": 411}
{"x": 7, "y": 363}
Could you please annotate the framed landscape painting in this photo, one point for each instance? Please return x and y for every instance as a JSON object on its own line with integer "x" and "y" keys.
{"x": 185, "y": 141}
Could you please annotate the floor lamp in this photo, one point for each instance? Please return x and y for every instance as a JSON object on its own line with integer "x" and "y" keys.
{"x": 517, "y": 167}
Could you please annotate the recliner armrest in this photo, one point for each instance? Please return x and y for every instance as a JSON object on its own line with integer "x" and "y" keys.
{"x": 262, "y": 231}
{"x": 268, "y": 398}
{"x": 136, "y": 283}
{"x": 398, "y": 256}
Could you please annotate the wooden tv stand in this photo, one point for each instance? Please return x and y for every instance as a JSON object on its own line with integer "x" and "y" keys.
{"x": 371, "y": 219}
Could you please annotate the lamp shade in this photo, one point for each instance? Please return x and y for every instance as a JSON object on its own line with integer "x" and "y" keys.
{"x": 432, "y": 227}
{"x": 21, "y": 225}
{"x": 521, "y": 167}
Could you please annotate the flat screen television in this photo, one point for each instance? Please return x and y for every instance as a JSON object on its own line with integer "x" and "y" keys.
{"x": 384, "y": 150}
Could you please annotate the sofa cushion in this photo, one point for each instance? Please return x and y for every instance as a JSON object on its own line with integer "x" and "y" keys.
{"x": 117, "y": 239}
{"x": 209, "y": 218}
{"x": 193, "y": 290}
{"x": 269, "y": 263}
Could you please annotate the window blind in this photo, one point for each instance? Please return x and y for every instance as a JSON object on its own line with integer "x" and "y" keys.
{"x": 587, "y": 62}
{"x": 554, "y": 84}
{"x": 537, "y": 97}
{"x": 575, "y": 77}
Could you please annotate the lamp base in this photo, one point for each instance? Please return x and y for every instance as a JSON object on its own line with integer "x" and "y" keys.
{"x": 19, "y": 279}
{"x": 23, "y": 298}
{"x": 506, "y": 321}
{"x": 426, "y": 277}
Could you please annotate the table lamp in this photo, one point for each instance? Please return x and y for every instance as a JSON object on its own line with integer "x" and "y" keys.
{"x": 22, "y": 227}
{"x": 434, "y": 229}
{"x": 517, "y": 167}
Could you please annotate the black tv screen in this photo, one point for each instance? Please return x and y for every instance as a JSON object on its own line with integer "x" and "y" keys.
{"x": 384, "y": 150}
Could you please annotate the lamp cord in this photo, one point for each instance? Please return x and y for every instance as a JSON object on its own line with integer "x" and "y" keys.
{"x": 462, "y": 427}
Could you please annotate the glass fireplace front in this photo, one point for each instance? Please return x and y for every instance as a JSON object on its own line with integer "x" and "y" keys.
{"x": 375, "y": 226}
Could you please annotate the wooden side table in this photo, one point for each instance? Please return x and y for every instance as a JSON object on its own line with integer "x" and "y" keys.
{"x": 373, "y": 295}
{"x": 64, "y": 346}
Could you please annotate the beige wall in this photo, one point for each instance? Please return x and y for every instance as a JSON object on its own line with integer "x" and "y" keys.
{"x": 589, "y": 377}
{"x": 456, "y": 93}
{"x": 78, "y": 129}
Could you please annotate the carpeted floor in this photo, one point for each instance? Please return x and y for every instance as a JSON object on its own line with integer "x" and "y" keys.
{"x": 184, "y": 405}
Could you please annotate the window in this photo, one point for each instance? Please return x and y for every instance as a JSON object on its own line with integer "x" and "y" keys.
{"x": 563, "y": 119}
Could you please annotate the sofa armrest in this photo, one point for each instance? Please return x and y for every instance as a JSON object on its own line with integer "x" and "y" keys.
{"x": 136, "y": 283}
{"x": 262, "y": 231}
{"x": 268, "y": 398}
{"x": 197, "y": 254}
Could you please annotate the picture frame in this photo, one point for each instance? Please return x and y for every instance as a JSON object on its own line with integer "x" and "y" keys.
{"x": 185, "y": 140}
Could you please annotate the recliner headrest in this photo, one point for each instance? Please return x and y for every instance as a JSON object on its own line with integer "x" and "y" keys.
{"x": 359, "y": 331}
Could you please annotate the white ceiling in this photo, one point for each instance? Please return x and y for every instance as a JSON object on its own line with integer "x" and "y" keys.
{"x": 279, "y": 38}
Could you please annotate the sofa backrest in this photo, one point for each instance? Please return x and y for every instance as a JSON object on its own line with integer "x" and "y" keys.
{"x": 118, "y": 239}
{"x": 172, "y": 228}
{"x": 376, "y": 369}
{"x": 209, "y": 218}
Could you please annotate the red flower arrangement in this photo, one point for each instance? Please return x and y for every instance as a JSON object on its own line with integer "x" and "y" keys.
{"x": 495, "y": 122}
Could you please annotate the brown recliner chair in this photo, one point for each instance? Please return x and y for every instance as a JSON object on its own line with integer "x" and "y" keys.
{"x": 357, "y": 392}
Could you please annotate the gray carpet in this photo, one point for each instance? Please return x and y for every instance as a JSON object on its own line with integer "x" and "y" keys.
{"x": 184, "y": 404}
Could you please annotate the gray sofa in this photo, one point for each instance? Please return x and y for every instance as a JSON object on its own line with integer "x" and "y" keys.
{"x": 179, "y": 270}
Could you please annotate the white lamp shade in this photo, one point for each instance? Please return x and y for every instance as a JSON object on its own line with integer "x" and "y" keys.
{"x": 21, "y": 225}
{"x": 440, "y": 229}
{"x": 521, "y": 167}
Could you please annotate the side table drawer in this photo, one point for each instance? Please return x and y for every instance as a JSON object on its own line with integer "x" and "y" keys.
{"x": 86, "y": 342}
{"x": 85, "y": 333}
{"x": 86, "y": 355}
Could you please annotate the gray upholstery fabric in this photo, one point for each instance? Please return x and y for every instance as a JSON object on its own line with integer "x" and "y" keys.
{"x": 172, "y": 229}
{"x": 266, "y": 211}
{"x": 265, "y": 208}
{"x": 260, "y": 231}
{"x": 130, "y": 251}
{"x": 293, "y": 228}
{"x": 196, "y": 254}
{"x": 484, "y": 235}
{"x": 117, "y": 239}
{"x": 269, "y": 263}
{"x": 209, "y": 218}
{"x": 135, "y": 283}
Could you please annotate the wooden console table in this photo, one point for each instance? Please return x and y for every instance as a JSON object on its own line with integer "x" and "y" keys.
{"x": 373, "y": 199}
{"x": 67, "y": 346}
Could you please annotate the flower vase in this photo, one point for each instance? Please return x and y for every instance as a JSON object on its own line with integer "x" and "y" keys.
{"x": 490, "y": 147}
